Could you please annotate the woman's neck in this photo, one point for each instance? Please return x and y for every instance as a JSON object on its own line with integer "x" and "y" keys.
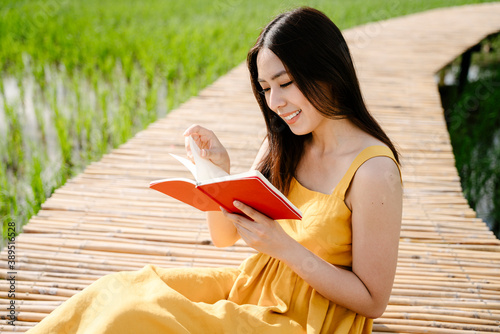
{"x": 334, "y": 137}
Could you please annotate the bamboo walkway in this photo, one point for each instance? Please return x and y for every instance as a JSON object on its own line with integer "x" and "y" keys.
{"x": 106, "y": 219}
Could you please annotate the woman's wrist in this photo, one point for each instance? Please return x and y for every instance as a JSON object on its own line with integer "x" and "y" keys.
{"x": 291, "y": 252}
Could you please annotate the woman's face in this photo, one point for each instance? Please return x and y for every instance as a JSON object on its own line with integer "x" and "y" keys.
{"x": 284, "y": 97}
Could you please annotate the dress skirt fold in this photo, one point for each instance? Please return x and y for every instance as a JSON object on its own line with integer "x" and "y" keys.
{"x": 262, "y": 296}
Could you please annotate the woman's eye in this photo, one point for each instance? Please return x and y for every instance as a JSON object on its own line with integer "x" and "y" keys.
{"x": 286, "y": 84}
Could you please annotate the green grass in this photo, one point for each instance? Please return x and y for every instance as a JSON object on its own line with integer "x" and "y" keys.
{"x": 100, "y": 71}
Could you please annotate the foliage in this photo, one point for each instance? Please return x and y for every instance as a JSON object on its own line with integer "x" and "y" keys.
{"x": 473, "y": 119}
{"x": 79, "y": 78}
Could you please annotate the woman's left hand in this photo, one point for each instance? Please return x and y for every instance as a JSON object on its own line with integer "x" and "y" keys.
{"x": 263, "y": 234}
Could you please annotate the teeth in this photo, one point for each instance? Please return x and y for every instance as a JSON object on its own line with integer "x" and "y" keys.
{"x": 292, "y": 115}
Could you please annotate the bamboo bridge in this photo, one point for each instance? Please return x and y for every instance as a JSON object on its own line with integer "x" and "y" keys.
{"x": 107, "y": 219}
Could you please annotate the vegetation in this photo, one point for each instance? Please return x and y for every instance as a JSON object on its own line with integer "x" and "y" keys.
{"x": 473, "y": 118}
{"x": 78, "y": 78}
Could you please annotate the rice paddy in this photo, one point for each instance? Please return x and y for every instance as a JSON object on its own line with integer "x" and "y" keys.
{"x": 78, "y": 78}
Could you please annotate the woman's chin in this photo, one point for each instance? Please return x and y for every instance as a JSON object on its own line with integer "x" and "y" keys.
{"x": 299, "y": 131}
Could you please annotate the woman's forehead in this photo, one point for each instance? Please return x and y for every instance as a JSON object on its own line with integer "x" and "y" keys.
{"x": 269, "y": 66}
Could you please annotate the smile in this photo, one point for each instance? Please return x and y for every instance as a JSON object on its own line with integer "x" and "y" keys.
{"x": 289, "y": 117}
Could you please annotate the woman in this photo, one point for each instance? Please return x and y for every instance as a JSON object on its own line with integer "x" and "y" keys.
{"x": 332, "y": 271}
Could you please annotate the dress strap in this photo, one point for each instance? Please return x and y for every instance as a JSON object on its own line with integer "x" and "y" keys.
{"x": 363, "y": 156}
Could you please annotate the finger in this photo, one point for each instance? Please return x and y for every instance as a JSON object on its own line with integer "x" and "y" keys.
{"x": 243, "y": 226}
{"x": 203, "y": 151}
{"x": 194, "y": 128}
{"x": 200, "y": 135}
{"x": 237, "y": 219}
{"x": 201, "y": 142}
{"x": 199, "y": 130}
{"x": 204, "y": 139}
{"x": 250, "y": 212}
{"x": 245, "y": 234}
{"x": 209, "y": 154}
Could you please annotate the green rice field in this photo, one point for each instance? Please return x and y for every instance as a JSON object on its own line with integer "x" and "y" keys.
{"x": 78, "y": 78}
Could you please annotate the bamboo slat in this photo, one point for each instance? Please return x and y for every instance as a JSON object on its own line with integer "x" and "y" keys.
{"x": 106, "y": 219}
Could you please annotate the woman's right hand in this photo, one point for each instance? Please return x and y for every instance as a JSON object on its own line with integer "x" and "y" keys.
{"x": 210, "y": 146}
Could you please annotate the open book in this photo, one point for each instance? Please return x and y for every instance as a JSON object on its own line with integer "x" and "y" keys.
{"x": 214, "y": 188}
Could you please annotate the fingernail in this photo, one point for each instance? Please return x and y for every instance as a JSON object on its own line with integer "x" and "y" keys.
{"x": 236, "y": 203}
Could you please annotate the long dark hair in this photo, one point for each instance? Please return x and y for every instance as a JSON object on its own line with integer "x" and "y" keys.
{"x": 315, "y": 54}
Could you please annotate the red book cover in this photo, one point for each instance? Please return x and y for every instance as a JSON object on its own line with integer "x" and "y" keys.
{"x": 215, "y": 188}
{"x": 251, "y": 188}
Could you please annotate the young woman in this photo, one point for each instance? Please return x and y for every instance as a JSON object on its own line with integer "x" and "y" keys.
{"x": 330, "y": 272}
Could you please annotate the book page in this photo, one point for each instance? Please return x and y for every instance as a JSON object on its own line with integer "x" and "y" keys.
{"x": 205, "y": 169}
{"x": 187, "y": 163}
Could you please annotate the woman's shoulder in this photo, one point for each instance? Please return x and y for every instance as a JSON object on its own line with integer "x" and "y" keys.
{"x": 379, "y": 158}
{"x": 379, "y": 174}
{"x": 380, "y": 165}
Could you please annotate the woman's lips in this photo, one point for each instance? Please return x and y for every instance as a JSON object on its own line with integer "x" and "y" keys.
{"x": 291, "y": 117}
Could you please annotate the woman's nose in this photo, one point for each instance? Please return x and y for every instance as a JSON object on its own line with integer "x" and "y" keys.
{"x": 275, "y": 100}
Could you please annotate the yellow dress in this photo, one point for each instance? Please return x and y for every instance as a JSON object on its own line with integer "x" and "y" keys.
{"x": 262, "y": 296}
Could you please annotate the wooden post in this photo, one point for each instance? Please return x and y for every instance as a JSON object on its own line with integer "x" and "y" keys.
{"x": 465, "y": 65}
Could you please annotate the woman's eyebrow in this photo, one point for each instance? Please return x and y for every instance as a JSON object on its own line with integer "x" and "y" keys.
{"x": 277, "y": 75}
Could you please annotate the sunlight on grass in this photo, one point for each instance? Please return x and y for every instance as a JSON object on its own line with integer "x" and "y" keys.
{"x": 79, "y": 78}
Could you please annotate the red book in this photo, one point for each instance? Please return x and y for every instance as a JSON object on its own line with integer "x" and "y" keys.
{"x": 215, "y": 188}
{"x": 251, "y": 188}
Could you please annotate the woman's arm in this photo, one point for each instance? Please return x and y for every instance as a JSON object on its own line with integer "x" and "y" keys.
{"x": 222, "y": 231}
{"x": 376, "y": 204}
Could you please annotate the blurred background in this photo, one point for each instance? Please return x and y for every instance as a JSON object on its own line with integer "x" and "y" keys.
{"x": 78, "y": 78}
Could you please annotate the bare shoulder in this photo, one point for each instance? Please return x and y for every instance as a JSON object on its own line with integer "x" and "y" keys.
{"x": 378, "y": 169}
{"x": 378, "y": 179}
